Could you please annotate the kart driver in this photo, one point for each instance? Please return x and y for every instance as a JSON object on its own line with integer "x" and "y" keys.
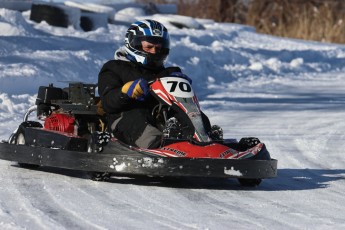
{"x": 123, "y": 84}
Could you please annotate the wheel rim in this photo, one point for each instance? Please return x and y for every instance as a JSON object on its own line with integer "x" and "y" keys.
{"x": 20, "y": 139}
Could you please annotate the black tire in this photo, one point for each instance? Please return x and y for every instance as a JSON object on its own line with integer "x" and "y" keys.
{"x": 249, "y": 182}
{"x": 99, "y": 176}
{"x": 86, "y": 23}
{"x": 249, "y": 142}
{"x": 53, "y": 15}
{"x": 19, "y": 139}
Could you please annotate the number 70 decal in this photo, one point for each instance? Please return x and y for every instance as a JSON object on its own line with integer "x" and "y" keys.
{"x": 178, "y": 87}
{"x": 183, "y": 86}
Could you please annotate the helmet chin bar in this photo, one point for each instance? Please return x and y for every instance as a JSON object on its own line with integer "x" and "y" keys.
{"x": 155, "y": 60}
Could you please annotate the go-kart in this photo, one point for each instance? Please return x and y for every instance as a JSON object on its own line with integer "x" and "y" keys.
{"x": 70, "y": 131}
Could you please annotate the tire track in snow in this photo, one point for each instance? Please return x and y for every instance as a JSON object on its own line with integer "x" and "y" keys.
{"x": 138, "y": 203}
{"x": 67, "y": 193}
{"x": 32, "y": 186}
{"x": 226, "y": 205}
{"x": 17, "y": 206}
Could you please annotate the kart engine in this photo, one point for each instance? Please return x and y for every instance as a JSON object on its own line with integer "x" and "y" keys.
{"x": 60, "y": 122}
{"x": 69, "y": 110}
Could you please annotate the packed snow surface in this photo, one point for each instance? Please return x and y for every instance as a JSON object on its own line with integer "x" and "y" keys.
{"x": 289, "y": 93}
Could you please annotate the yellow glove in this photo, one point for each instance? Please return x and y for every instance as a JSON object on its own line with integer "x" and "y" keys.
{"x": 137, "y": 89}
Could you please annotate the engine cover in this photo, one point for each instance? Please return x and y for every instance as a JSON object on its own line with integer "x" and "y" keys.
{"x": 60, "y": 122}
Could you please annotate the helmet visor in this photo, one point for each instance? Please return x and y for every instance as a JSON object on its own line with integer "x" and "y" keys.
{"x": 136, "y": 43}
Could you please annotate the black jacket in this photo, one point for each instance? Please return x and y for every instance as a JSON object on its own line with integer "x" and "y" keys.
{"x": 113, "y": 75}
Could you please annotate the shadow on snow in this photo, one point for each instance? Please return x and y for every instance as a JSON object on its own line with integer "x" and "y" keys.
{"x": 287, "y": 180}
{"x": 308, "y": 101}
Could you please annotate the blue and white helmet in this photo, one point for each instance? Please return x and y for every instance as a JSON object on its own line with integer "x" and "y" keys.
{"x": 153, "y": 32}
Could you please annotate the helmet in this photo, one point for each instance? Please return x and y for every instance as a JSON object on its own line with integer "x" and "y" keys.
{"x": 150, "y": 31}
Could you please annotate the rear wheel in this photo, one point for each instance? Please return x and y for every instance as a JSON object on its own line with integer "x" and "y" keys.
{"x": 20, "y": 140}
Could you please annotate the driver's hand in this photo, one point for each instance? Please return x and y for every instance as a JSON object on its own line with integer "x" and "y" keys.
{"x": 137, "y": 89}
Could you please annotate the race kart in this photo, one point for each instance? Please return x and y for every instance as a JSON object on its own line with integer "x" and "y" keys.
{"x": 70, "y": 131}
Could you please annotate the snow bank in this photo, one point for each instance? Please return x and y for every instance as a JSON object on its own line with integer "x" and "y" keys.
{"x": 129, "y": 15}
{"x": 16, "y": 4}
{"x": 216, "y": 55}
{"x": 12, "y": 23}
{"x": 92, "y": 7}
{"x": 172, "y": 21}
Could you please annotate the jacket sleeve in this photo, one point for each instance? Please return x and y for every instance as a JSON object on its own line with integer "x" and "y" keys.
{"x": 109, "y": 89}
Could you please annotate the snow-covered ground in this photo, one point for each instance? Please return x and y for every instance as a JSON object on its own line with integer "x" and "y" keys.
{"x": 289, "y": 93}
